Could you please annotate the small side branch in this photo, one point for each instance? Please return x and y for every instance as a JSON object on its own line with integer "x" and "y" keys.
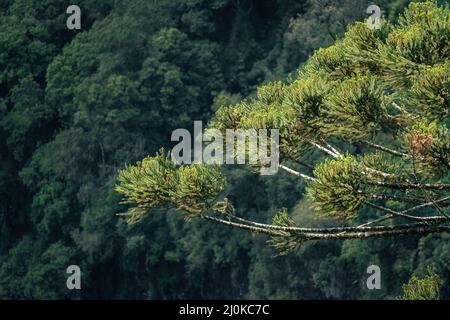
{"x": 428, "y": 204}
{"x": 242, "y": 226}
{"x": 403, "y": 111}
{"x": 406, "y": 186}
{"x": 388, "y": 197}
{"x": 322, "y": 148}
{"x": 296, "y": 173}
{"x": 334, "y": 150}
{"x": 385, "y": 149}
{"x": 337, "y": 155}
{"x": 404, "y": 213}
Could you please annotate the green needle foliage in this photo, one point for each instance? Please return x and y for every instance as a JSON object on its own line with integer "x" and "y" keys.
{"x": 383, "y": 93}
{"x": 357, "y": 107}
{"x": 155, "y": 181}
{"x": 337, "y": 190}
{"x": 430, "y": 93}
{"x": 426, "y": 288}
{"x": 285, "y": 242}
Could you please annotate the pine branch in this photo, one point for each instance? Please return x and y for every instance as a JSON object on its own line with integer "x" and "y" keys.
{"x": 396, "y": 198}
{"x": 334, "y": 150}
{"x": 396, "y": 106}
{"x": 406, "y": 186}
{"x": 404, "y": 213}
{"x": 428, "y": 204}
{"x": 242, "y": 226}
{"x": 421, "y": 229}
{"x": 296, "y": 173}
{"x": 328, "y": 151}
{"x": 381, "y": 173}
{"x": 381, "y": 219}
{"x": 337, "y": 155}
{"x": 327, "y": 230}
{"x": 385, "y": 149}
{"x": 301, "y": 163}
{"x": 434, "y": 203}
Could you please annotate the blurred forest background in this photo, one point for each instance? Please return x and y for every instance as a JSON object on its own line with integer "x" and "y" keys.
{"x": 77, "y": 105}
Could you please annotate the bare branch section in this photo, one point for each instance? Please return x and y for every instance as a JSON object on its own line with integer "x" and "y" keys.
{"x": 385, "y": 149}
{"x": 326, "y": 150}
{"x": 404, "y": 213}
{"x": 435, "y": 220}
{"x": 326, "y": 234}
{"x": 423, "y": 230}
{"x": 431, "y": 223}
{"x": 402, "y": 110}
{"x": 296, "y": 173}
{"x": 406, "y": 186}
{"x": 336, "y": 154}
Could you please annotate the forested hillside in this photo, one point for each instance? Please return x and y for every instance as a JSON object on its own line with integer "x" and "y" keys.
{"x": 78, "y": 105}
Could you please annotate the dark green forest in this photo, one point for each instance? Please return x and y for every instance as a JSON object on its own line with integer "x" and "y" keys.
{"x": 76, "y": 106}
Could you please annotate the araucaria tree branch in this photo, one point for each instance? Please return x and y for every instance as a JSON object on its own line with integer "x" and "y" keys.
{"x": 392, "y": 167}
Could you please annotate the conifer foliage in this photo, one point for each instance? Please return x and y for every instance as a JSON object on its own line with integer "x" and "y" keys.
{"x": 376, "y": 104}
{"x": 426, "y": 288}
